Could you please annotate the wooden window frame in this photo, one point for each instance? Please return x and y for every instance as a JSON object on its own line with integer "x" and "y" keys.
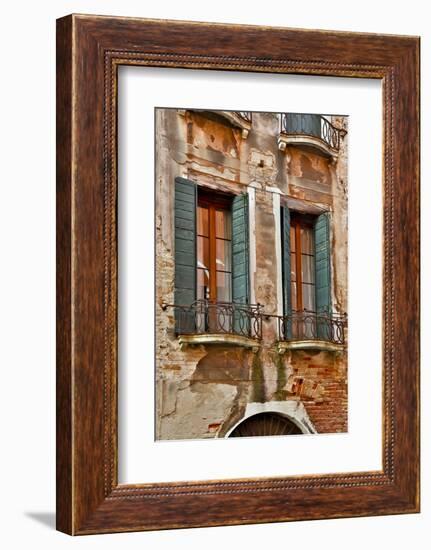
{"x": 298, "y": 221}
{"x": 213, "y": 202}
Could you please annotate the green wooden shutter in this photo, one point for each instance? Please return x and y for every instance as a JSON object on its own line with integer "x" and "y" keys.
{"x": 312, "y": 125}
{"x": 287, "y": 296}
{"x": 304, "y": 124}
{"x": 293, "y": 123}
{"x": 185, "y": 250}
{"x": 323, "y": 271}
{"x": 240, "y": 259}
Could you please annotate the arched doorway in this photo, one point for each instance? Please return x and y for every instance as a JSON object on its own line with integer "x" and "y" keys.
{"x": 267, "y": 423}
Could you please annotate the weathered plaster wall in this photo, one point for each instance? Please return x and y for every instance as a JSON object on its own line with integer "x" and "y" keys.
{"x": 202, "y": 392}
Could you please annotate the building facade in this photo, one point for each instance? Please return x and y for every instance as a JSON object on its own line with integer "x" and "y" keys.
{"x": 251, "y": 274}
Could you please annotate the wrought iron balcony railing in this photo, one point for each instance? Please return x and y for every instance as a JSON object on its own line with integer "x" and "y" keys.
{"x": 245, "y": 115}
{"x": 309, "y": 325}
{"x": 205, "y": 317}
{"x": 311, "y": 125}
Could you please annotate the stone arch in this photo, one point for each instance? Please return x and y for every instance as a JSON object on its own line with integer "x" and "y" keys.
{"x": 265, "y": 423}
{"x": 293, "y": 411}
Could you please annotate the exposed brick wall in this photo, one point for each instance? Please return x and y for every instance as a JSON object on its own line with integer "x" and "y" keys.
{"x": 319, "y": 380}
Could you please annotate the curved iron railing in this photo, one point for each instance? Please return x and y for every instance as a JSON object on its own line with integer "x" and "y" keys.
{"x": 205, "y": 317}
{"x": 309, "y": 325}
{"x": 246, "y": 115}
{"x": 311, "y": 125}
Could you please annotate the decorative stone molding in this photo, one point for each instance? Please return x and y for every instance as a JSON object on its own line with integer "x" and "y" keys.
{"x": 185, "y": 340}
{"x": 237, "y": 120}
{"x": 255, "y": 185}
{"x": 275, "y": 190}
{"x": 321, "y": 345}
{"x": 306, "y": 207}
{"x": 310, "y": 141}
{"x": 292, "y": 410}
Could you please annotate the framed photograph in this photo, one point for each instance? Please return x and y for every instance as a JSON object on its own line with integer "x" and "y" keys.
{"x": 237, "y": 274}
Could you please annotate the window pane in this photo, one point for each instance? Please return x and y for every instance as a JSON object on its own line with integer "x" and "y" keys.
{"x": 203, "y": 225}
{"x": 308, "y": 297}
{"x": 307, "y": 268}
{"x": 292, "y": 239}
{"x": 293, "y": 267}
{"x": 223, "y": 224}
{"x": 224, "y": 293}
{"x": 223, "y": 255}
{"x": 203, "y": 252}
{"x": 293, "y": 295}
{"x": 307, "y": 240}
{"x": 203, "y": 290}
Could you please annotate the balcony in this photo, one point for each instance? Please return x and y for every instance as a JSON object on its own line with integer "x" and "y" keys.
{"x": 227, "y": 323}
{"x": 205, "y": 322}
{"x": 240, "y": 119}
{"x": 312, "y": 130}
{"x": 311, "y": 330}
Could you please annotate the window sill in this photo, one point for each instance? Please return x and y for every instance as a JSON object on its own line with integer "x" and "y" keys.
{"x": 321, "y": 345}
{"x": 217, "y": 338}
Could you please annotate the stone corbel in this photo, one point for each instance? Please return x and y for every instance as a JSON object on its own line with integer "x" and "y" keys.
{"x": 333, "y": 160}
{"x": 281, "y": 145}
{"x": 281, "y": 350}
{"x": 255, "y": 185}
{"x": 343, "y": 133}
{"x": 288, "y": 160}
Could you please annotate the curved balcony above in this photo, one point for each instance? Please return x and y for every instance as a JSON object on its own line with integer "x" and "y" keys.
{"x": 233, "y": 324}
{"x": 226, "y": 323}
{"x": 312, "y": 130}
{"x": 312, "y": 344}
{"x": 240, "y": 119}
{"x": 218, "y": 338}
{"x": 310, "y": 330}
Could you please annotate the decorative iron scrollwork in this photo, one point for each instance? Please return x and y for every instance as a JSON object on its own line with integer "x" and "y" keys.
{"x": 311, "y": 125}
{"x": 245, "y": 115}
{"x": 309, "y": 325}
{"x": 204, "y": 317}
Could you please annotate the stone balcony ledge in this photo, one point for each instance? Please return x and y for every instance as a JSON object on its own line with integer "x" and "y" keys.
{"x": 321, "y": 345}
{"x": 216, "y": 338}
{"x": 311, "y": 141}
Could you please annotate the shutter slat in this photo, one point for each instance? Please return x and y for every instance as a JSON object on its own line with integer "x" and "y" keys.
{"x": 183, "y": 258}
{"x": 182, "y": 223}
{"x": 183, "y": 186}
{"x": 186, "y": 206}
{"x": 183, "y": 245}
{"x": 184, "y": 234}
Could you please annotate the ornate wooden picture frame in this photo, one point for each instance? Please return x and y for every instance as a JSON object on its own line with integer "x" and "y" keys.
{"x": 89, "y": 51}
